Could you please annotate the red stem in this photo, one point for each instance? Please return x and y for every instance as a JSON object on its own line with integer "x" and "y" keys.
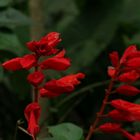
{"x": 93, "y": 126}
{"x": 36, "y": 89}
{"x": 105, "y": 100}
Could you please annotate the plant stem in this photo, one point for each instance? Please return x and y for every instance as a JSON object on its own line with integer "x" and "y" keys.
{"x": 36, "y": 89}
{"x": 98, "y": 118}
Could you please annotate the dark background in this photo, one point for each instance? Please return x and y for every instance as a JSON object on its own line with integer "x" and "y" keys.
{"x": 90, "y": 29}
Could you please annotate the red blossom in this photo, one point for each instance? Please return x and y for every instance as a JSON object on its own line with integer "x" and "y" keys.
{"x": 47, "y": 93}
{"x": 57, "y": 62}
{"x": 52, "y": 38}
{"x": 123, "y": 116}
{"x": 13, "y": 64}
{"x": 45, "y": 46}
{"x": 128, "y": 77}
{"x": 32, "y": 114}
{"x": 28, "y": 61}
{"x": 65, "y": 84}
{"x": 125, "y": 106}
{"x": 111, "y": 71}
{"x": 35, "y": 78}
{"x": 114, "y": 58}
{"x": 110, "y": 128}
{"x": 128, "y": 90}
{"x": 134, "y": 62}
{"x": 127, "y": 53}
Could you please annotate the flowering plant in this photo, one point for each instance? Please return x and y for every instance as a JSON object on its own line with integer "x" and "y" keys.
{"x": 45, "y": 56}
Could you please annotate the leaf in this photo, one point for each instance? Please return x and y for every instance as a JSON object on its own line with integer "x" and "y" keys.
{"x": 4, "y": 3}
{"x": 13, "y": 17}
{"x": 91, "y": 32}
{"x": 18, "y": 84}
{"x": 9, "y": 42}
{"x": 65, "y": 131}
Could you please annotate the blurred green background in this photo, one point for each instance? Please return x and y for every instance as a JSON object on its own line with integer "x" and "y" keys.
{"x": 90, "y": 29}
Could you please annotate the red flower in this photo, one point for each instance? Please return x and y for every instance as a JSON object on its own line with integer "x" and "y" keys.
{"x": 125, "y": 106}
{"x": 46, "y": 46}
{"x": 129, "y": 76}
{"x": 123, "y": 116}
{"x": 134, "y": 62}
{"x": 110, "y": 128}
{"x": 111, "y": 71}
{"x": 47, "y": 93}
{"x": 128, "y": 90}
{"x": 65, "y": 84}
{"x": 114, "y": 58}
{"x": 52, "y": 39}
{"x": 28, "y": 61}
{"x": 32, "y": 114}
{"x": 13, "y": 64}
{"x": 35, "y": 78}
{"x": 57, "y": 62}
{"x": 127, "y": 53}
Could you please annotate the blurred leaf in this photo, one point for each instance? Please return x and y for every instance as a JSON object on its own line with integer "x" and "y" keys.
{"x": 12, "y": 17}
{"x": 90, "y": 33}
{"x": 18, "y": 84}
{"x": 131, "y": 11}
{"x": 9, "y": 42}
{"x": 4, "y": 3}
{"x": 65, "y": 131}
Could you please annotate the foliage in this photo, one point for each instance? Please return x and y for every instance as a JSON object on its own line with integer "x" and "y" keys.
{"x": 90, "y": 29}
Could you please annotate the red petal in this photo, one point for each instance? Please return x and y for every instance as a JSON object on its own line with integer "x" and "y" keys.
{"x": 35, "y": 78}
{"x": 57, "y": 62}
{"x": 122, "y": 116}
{"x": 129, "y": 76}
{"x": 114, "y": 58}
{"x": 110, "y": 128}
{"x": 111, "y": 71}
{"x": 46, "y": 93}
{"x": 13, "y": 64}
{"x": 128, "y": 52}
{"x": 134, "y": 62}
{"x": 128, "y": 90}
{"x": 28, "y": 61}
{"x": 32, "y": 114}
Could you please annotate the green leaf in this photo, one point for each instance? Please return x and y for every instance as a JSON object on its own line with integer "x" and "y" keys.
{"x": 9, "y": 42}
{"x": 12, "y": 18}
{"x": 90, "y": 33}
{"x": 4, "y": 3}
{"x": 65, "y": 131}
{"x": 17, "y": 83}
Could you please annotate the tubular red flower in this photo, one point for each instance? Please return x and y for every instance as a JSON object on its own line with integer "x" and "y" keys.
{"x": 47, "y": 93}
{"x": 111, "y": 71}
{"x": 65, "y": 84}
{"x": 128, "y": 90}
{"x": 125, "y": 106}
{"x": 122, "y": 116}
{"x": 114, "y": 58}
{"x": 110, "y": 128}
{"x": 13, "y": 64}
{"x": 131, "y": 49}
{"x": 45, "y": 46}
{"x": 128, "y": 77}
{"x": 28, "y": 61}
{"x": 36, "y": 78}
{"x": 134, "y": 62}
{"x": 57, "y": 62}
{"x": 32, "y": 114}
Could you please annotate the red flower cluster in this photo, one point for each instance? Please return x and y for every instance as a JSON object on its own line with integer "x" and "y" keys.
{"x": 126, "y": 70}
{"x": 56, "y": 60}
